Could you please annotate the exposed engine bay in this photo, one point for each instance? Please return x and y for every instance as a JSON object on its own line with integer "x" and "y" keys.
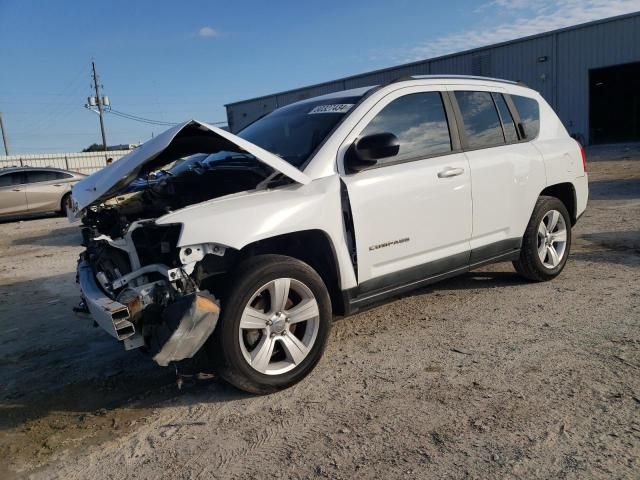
{"x": 188, "y": 182}
{"x": 136, "y": 283}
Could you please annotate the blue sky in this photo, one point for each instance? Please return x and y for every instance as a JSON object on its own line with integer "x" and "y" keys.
{"x": 171, "y": 61}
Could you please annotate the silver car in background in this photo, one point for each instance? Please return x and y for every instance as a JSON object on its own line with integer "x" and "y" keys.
{"x": 27, "y": 191}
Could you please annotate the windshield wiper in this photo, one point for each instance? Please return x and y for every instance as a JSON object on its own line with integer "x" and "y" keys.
{"x": 274, "y": 180}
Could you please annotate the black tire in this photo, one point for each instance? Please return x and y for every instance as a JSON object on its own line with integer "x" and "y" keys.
{"x": 529, "y": 265}
{"x": 250, "y": 276}
{"x": 64, "y": 204}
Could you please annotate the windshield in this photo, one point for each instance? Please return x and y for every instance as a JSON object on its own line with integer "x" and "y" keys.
{"x": 184, "y": 164}
{"x": 202, "y": 161}
{"x": 295, "y": 131}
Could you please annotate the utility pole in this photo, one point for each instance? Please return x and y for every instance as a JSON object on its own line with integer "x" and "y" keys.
{"x": 99, "y": 101}
{"x": 4, "y": 137}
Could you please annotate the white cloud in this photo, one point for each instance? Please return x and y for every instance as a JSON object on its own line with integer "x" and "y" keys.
{"x": 208, "y": 32}
{"x": 519, "y": 18}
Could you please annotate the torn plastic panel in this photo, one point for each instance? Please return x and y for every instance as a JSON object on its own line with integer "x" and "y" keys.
{"x": 191, "y": 320}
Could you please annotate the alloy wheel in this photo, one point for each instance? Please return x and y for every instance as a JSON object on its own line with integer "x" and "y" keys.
{"x": 552, "y": 239}
{"x": 279, "y": 326}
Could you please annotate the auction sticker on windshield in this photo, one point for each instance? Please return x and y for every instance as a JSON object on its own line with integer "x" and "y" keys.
{"x": 335, "y": 108}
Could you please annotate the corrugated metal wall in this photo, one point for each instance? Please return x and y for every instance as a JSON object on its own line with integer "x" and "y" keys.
{"x": 556, "y": 64}
{"x": 602, "y": 45}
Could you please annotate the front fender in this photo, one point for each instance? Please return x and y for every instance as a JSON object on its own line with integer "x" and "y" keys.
{"x": 240, "y": 219}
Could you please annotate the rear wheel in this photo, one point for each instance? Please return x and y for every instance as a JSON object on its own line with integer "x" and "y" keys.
{"x": 546, "y": 242}
{"x": 274, "y": 324}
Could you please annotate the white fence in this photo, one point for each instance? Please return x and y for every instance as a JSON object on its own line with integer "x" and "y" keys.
{"x": 85, "y": 162}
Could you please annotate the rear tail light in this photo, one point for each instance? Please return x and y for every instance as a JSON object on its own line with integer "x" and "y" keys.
{"x": 584, "y": 158}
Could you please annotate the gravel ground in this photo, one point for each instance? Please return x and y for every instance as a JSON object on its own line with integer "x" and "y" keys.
{"x": 481, "y": 376}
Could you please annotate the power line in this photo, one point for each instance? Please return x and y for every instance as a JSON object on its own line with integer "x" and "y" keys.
{"x": 137, "y": 118}
{"x": 41, "y": 124}
{"x": 150, "y": 121}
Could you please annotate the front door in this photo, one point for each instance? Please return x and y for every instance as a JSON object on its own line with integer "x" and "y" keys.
{"x": 13, "y": 198}
{"x": 412, "y": 212}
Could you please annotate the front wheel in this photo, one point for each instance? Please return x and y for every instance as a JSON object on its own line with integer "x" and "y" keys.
{"x": 546, "y": 242}
{"x": 65, "y": 204}
{"x": 274, "y": 325}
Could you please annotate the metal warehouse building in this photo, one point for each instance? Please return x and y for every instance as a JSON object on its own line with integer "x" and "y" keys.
{"x": 589, "y": 73}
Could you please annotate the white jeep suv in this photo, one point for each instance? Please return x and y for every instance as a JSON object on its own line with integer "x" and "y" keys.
{"x": 236, "y": 250}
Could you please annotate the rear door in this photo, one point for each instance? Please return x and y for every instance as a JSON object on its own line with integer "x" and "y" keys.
{"x": 507, "y": 173}
{"x": 13, "y": 197}
{"x": 45, "y": 190}
{"x": 411, "y": 212}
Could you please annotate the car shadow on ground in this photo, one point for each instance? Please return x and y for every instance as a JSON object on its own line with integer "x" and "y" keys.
{"x": 100, "y": 409}
{"x": 86, "y": 371}
{"x": 60, "y": 237}
{"x": 621, "y": 189}
{"x": 626, "y": 240}
{"x": 607, "y": 256}
{"x": 38, "y": 216}
{"x": 620, "y": 247}
{"x": 57, "y": 369}
{"x": 92, "y": 371}
{"x": 478, "y": 279}
{"x": 481, "y": 278}
{"x": 91, "y": 376}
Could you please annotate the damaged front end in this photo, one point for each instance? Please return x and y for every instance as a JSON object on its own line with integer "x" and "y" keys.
{"x": 136, "y": 289}
{"x": 135, "y": 280}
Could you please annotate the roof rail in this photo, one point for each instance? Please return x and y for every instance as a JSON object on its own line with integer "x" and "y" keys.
{"x": 461, "y": 77}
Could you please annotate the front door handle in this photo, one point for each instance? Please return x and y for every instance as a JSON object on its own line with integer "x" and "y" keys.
{"x": 17, "y": 190}
{"x": 450, "y": 172}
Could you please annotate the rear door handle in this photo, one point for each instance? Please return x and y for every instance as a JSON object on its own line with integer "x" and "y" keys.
{"x": 450, "y": 172}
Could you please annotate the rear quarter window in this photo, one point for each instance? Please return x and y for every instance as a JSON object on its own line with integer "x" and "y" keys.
{"x": 529, "y": 112}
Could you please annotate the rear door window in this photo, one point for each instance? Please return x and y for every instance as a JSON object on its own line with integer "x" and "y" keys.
{"x": 529, "y": 112}
{"x": 36, "y": 176}
{"x": 480, "y": 119}
{"x": 62, "y": 175}
{"x": 509, "y": 126}
{"x": 420, "y": 123}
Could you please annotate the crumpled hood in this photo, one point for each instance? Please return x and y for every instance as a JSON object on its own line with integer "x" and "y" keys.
{"x": 185, "y": 139}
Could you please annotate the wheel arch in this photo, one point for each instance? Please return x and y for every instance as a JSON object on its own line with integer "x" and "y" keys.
{"x": 566, "y": 193}
{"x": 64, "y": 197}
{"x": 313, "y": 247}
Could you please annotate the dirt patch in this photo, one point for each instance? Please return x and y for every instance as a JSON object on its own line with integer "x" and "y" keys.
{"x": 481, "y": 376}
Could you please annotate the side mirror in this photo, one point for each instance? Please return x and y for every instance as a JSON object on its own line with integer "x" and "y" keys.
{"x": 366, "y": 151}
